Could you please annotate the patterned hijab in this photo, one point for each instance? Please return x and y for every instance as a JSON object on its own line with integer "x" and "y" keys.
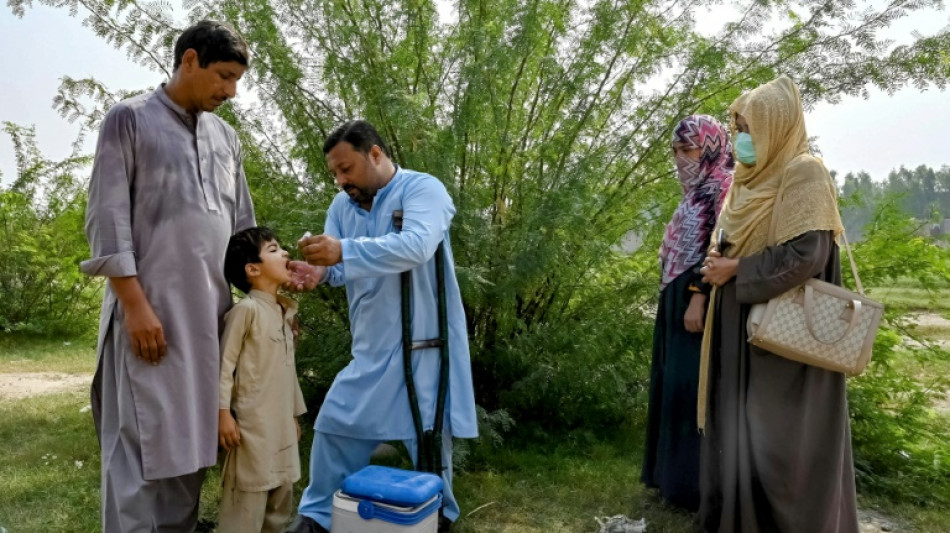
{"x": 705, "y": 184}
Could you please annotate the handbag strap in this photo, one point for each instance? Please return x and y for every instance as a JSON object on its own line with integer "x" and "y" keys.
{"x": 774, "y": 223}
{"x": 854, "y": 267}
{"x": 854, "y": 305}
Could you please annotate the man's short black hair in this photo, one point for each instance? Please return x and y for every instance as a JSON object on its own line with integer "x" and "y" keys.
{"x": 245, "y": 247}
{"x": 213, "y": 41}
{"x": 361, "y": 134}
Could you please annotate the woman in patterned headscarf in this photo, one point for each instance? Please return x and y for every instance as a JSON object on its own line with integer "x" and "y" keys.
{"x": 704, "y": 166}
{"x": 777, "y": 446}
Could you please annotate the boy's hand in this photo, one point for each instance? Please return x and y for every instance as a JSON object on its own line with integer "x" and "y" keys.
{"x": 229, "y": 434}
{"x": 295, "y": 330}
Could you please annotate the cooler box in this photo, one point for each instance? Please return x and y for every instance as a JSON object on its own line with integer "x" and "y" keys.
{"x": 380, "y": 499}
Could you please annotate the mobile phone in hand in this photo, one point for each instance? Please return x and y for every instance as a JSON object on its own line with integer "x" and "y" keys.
{"x": 721, "y": 242}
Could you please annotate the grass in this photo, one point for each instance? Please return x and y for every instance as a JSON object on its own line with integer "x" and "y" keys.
{"x": 560, "y": 488}
{"x": 49, "y": 469}
{"x": 913, "y": 298}
{"x": 30, "y": 353}
{"x": 922, "y": 519}
{"x": 49, "y": 465}
{"x": 934, "y": 331}
{"x": 914, "y": 302}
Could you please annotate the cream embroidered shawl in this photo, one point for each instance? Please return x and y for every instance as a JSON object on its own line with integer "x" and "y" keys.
{"x": 784, "y": 167}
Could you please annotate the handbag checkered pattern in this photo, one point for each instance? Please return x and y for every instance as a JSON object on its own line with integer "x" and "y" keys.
{"x": 819, "y": 324}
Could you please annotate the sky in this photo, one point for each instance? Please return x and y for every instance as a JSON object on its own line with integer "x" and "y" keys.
{"x": 876, "y": 135}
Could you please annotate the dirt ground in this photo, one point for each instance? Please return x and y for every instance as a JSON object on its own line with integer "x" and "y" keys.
{"x": 933, "y": 320}
{"x": 875, "y": 522}
{"x": 27, "y": 384}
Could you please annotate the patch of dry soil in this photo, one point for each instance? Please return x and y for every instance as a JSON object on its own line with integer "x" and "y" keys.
{"x": 875, "y": 522}
{"x": 28, "y": 384}
{"x": 930, "y": 320}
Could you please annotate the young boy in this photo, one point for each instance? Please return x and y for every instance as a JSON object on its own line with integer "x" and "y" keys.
{"x": 260, "y": 397}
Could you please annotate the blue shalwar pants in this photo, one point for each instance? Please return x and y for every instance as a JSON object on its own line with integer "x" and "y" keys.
{"x": 333, "y": 457}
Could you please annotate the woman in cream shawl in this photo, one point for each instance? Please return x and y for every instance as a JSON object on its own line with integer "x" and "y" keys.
{"x": 776, "y": 455}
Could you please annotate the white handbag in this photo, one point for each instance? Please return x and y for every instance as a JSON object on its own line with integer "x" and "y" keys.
{"x": 819, "y": 324}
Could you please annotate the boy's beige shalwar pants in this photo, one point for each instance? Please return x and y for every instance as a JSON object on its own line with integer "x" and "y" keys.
{"x": 266, "y": 511}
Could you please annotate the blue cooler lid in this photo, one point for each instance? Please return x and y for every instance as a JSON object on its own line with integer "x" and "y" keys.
{"x": 392, "y": 485}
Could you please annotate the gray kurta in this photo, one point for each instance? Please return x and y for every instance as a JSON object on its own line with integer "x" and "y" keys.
{"x": 777, "y": 451}
{"x": 167, "y": 191}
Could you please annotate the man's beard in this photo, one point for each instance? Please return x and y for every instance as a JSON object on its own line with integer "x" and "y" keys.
{"x": 359, "y": 195}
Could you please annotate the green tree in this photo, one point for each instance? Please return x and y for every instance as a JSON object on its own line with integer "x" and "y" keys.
{"x": 548, "y": 121}
{"x": 41, "y": 226}
{"x": 918, "y": 188}
{"x": 860, "y": 197}
{"x": 901, "y": 443}
{"x": 923, "y": 192}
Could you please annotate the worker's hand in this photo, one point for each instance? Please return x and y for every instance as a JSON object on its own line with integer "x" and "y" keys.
{"x": 229, "y": 434}
{"x": 321, "y": 250}
{"x": 303, "y": 276}
{"x": 694, "y": 319}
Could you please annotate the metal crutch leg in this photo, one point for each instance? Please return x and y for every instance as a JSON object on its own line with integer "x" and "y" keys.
{"x": 429, "y": 443}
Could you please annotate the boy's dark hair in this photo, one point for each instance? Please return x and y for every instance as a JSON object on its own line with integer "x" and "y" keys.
{"x": 214, "y": 41}
{"x": 243, "y": 248}
{"x": 361, "y": 134}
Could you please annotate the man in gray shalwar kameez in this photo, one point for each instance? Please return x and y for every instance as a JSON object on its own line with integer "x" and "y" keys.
{"x": 167, "y": 191}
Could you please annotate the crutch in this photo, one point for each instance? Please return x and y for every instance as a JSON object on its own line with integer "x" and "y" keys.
{"x": 429, "y": 443}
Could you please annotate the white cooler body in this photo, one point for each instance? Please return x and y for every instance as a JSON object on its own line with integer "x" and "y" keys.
{"x": 348, "y": 518}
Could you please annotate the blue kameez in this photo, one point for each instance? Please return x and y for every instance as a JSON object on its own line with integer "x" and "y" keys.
{"x": 368, "y": 399}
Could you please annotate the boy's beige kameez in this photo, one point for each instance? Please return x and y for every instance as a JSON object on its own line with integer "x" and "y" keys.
{"x": 259, "y": 384}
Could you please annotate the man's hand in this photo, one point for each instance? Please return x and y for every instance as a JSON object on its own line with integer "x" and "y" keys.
{"x": 229, "y": 434}
{"x": 142, "y": 325}
{"x": 304, "y": 277}
{"x": 718, "y": 270}
{"x": 694, "y": 319}
{"x": 321, "y": 250}
{"x": 298, "y": 428}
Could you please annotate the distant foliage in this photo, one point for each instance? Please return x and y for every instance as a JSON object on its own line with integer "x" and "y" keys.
{"x": 923, "y": 192}
{"x": 41, "y": 228}
{"x": 901, "y": 443}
